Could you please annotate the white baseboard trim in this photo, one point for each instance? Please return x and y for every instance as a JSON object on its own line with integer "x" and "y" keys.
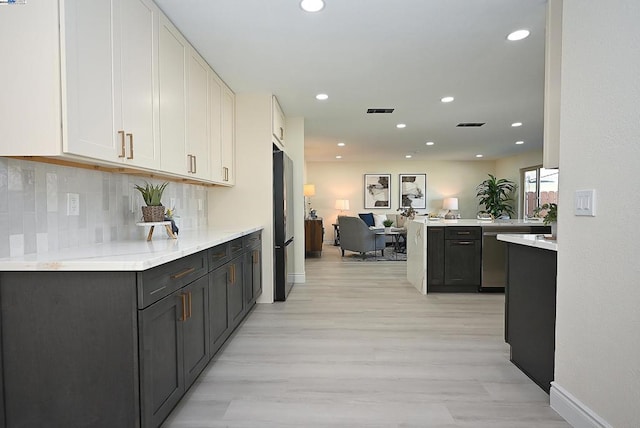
{"x": 573, "y": 410}
{"x": 298, "y": 278}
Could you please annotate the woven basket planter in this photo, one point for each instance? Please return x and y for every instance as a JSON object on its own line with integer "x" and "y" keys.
{"x": 153, "y": 214}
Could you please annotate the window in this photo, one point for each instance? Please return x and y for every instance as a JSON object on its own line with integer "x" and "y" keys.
{"x": 539, "y": 187}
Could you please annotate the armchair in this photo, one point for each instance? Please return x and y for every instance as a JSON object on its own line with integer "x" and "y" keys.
{"x": 356, "y": 236}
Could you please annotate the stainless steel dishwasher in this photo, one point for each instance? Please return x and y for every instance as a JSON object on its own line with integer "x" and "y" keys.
{"x": 494, "y": 257}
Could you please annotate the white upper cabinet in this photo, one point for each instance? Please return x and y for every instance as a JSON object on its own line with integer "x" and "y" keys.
{"x": 198, "y": 116}
{"x": 215, "y": 127}
{"x": 111, "y": 80}
{"x": 173, "y": 51}
{"x": 277, "y": 121}
{"x": 228, "y": 135}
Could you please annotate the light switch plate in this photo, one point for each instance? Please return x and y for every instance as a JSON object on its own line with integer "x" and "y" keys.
{"x": 73, "y": 204}
{"x": 585, "y": 203}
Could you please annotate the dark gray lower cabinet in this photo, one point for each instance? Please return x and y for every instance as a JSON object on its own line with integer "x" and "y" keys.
{"x": 252, "y": 276}
{"x": 435, "y": 256}
{"x": 454, "y": 258}
{"x": 462, "y": 262}
{"x": 116, "y": 349}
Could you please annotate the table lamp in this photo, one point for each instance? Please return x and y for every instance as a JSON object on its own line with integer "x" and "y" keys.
{"x": 309, "y": 190}
{"x": 450, "y": 204}
{"x": 342, "y": 205}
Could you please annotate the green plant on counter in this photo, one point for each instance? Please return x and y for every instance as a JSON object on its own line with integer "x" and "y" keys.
{"x": 495, "y": 195}
{"x": 551, "y": 214}
{"x": 387, "y": 223}
{"x": 152, "y": 194}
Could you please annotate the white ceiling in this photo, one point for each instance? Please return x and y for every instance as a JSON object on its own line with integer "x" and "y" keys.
{"x": 402, "y": 54}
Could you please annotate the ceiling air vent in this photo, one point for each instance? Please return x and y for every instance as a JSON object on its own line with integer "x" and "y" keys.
{"x": 470, "y": 124}
{"x": 380, "y": 110}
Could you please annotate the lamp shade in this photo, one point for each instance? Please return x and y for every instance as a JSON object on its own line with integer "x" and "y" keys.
{"x": 342, "y": 204}
{"x": 309, "y": 189}
{"x": 450, "y": 204}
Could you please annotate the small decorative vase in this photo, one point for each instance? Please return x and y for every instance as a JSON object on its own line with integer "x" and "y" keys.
{"x": 153, "y": 214}
{"x": 387, "y": 229}
{"x": 554, "y": 230}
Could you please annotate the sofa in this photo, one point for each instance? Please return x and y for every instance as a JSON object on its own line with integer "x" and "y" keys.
{"x": 374, "y": 221}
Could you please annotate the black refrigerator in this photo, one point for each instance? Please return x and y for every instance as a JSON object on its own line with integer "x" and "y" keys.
{"x": 282, "y": 225}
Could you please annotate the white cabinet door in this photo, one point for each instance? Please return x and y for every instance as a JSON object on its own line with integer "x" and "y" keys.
{"x": 173, "y": 50}
{"x": 197, "y": 116}
{"x": 215, "y": 127}
{"x": 137, "y": 52}
{"x": 88, "y": 48}
{"x": 111, "y": 80}
{"x": 228, "y": 135}
{"x": 277, "y": 121}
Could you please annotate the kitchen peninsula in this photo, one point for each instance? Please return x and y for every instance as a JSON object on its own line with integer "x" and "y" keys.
{"x": 114, "y": 334}
{"x": 460, "y": 255}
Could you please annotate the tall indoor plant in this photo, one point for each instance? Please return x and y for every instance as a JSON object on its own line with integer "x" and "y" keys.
{"x": 495, "y": 194}
{"x": 152, "y": 195}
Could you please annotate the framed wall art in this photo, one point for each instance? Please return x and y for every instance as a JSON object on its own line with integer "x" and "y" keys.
{"x": 413, "y": 190}
{"x": 377, "y": 191}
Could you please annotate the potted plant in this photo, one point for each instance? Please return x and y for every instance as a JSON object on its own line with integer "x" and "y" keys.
{"x": 550, "y": 216}
{"x": 407, "y": 212}
{"x": 152, "y": 195}
{"x": 495, "y": 195}
{"x": 387, "y": 225}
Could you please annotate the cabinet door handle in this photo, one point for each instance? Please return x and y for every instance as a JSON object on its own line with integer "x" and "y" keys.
{"x": 190, "y": 163}
{"x": 195, "y": 164}
{"x": 183, "y": 297}
{"x": 281, "y": 133}
{"x": 183, "y": 273}
{"x": 121, "y": 133}
{"x": 232, "y": 274}
{"x": 463, "y": 243}
{"x": 130, "y": 146}
{"x": 256, "y": 257}
{"x": 463, "y": 233}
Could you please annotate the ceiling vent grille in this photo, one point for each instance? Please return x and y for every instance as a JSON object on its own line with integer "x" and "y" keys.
{"x": 470, "y": 124}
{"x": 380, "y": 110}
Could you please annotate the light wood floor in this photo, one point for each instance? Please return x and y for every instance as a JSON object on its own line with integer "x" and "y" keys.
{"x": 358, "y": 346}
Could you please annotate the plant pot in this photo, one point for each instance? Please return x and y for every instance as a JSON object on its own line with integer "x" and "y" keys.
{"x": 554, "y": 230}
{"x": 153, "y": 214}
{"x": 387, "y": 229}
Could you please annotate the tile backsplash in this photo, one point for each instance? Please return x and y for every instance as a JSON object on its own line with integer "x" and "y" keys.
{"x": 34, "y": 201}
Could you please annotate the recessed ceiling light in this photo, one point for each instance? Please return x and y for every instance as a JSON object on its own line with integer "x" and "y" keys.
{"x": 312, "y": 5}
{"x": 446, "y": 99}
{"x": 322, "y": 97}
{"x": 401, "y": 125}
{"x": 429, "y": 143}
{"x": 518, "y": 35}
{"x": 408, "y": 156}
{"x": 519, "y": 142}
{"x": 338, "y": 157}
{"x": 478, "y": 156}
{"x": 340, "y": 144}
{"x": 516, "y": 124}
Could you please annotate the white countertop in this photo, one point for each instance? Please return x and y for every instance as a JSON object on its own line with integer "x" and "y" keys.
{"x": 482, "y": 223}
{"x": 530, "y": 240}
{"x": 126, "y": 255}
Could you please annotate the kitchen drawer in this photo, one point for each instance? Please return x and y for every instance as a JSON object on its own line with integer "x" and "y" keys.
{"x": 158, "y": 282}
{"x": 252, "y": 241}
{"x": 235, "y": 248}
{"x": 460, "y": 232}
{"x": 218, "y": 256}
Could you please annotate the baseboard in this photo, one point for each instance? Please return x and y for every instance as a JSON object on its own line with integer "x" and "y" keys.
{"x": 573, "y": 410}
{"x": 298, "y": 278}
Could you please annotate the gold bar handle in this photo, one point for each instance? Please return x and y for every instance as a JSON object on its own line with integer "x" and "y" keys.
{"x": 130, "y": 146}
{"x": 195, "y": 164}
{"x": 256, "y": 257}
{"x": 121, "y": 133}
{"x": 183, "y": 273}
{"x": 183, "y": 297}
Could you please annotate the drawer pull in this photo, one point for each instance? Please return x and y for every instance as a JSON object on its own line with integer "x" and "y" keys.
{"x": 218, "y": 255}
{"x": 151, "y": 293}
{"x": 183, "y": 297}
{"x": 183, "y": 273}
{"x": 463, "y": 243}
{"x": 463, "y": 233}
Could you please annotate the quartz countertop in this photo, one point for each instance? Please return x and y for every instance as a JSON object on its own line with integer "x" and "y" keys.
{"x": 131, "y": 255}
{"x": 530, "y": 240}
{"x": 482, "y": 223}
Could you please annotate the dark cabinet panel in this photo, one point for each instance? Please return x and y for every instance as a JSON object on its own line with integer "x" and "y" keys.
{"x": 256, "y": 269}
{"x": 218, "y": 319}
{"x": 196, "y": 329}
{"x": 313, "y": 236}
{"x": 235, "y": 303}
{"x": 161, "y": 366}
{"x": 435, "y": 255}
{"x": 462, "y": 262}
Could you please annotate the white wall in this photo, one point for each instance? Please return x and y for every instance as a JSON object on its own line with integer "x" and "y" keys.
{"x": 598, "y": 308}
{"x": 345, "y": 180}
